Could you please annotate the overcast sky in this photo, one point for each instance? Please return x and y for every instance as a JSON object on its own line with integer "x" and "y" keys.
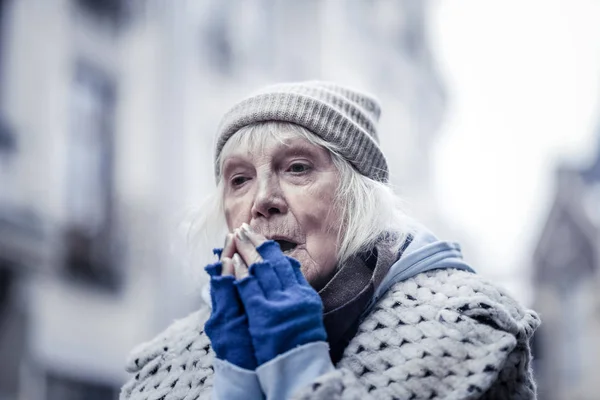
{"x": 523, "y": 79}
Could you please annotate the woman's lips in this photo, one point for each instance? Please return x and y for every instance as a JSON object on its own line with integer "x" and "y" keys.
{"x": 287, "y": 246}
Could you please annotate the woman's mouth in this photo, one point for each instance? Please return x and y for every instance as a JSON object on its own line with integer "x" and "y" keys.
{"x": 286, "y": 246}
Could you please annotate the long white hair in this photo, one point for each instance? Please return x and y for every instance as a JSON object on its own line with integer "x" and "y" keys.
{"x": 367, "y": 208}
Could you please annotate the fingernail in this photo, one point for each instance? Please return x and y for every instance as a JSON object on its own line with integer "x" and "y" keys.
{"x": 238, "y": 265}
{"x": 247, "y": 228}
{"x": 237, "y": 261}
{"x": 242, "y": 235}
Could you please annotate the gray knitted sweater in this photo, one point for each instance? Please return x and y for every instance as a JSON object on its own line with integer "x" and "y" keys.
{"x": 444, "y": 334}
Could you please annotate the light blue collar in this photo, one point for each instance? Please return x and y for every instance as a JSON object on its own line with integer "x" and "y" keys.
{"x": 425, "y": 253}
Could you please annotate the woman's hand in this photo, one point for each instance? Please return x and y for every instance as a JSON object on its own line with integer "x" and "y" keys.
{"x": 227, "y": 326}
{"x": 283, "y": 310}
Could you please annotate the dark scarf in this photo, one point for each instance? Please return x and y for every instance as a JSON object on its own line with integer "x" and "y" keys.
{"x": 347, "y": 294}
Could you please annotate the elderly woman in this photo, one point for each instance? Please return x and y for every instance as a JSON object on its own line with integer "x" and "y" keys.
{"x": 323, "y": 288}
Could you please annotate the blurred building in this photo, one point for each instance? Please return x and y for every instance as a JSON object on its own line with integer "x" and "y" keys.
{"x": 567, "y": 281}
{"x": 107, "y": 115}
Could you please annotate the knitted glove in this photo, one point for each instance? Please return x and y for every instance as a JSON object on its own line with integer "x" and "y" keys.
{"x": 283, "y": 310}
{"x": 227, "y": 326}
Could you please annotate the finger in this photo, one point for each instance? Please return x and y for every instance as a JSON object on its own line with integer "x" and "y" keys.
{"x": 267, "y": 278}
{"x": 248, "y": 290}
{"x": 227, "y": 269}
{"x": 256, "y": 238}
{"x": 224, "y": 296}
{"x": 286, "y": 274}
{"x": 228, "y": 247}
{"x": 297, "y": 268}
{"x": 241, "y": 269}
{"x": 271, "y": 251}
{"x": 214, "y": 269}
{"x": 245, "y": 248}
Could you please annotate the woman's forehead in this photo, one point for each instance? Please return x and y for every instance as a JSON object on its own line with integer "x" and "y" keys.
{"x": 262, "y": 142}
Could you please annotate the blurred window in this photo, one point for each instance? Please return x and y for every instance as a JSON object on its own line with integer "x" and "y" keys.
{"x": 3, "y": 24}
{"x": 69, "y": 388}
{"x": 8, "y": 140}
{"x": 12, "y": 331}
{"x": 90, "y": 147}
{"x": 218, "y": 38}
{"x": 570, "y": 352}
{"x": 413, "y": 40}
{"x": 115, "y": 13}
{"x": 90, "y": 177}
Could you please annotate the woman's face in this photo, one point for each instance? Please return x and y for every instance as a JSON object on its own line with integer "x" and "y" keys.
{"x": 286, "y": 192}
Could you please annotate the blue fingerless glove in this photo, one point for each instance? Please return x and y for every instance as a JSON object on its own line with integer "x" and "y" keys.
{"x": 283, "y": 310}
{"x": 227, "y": 326}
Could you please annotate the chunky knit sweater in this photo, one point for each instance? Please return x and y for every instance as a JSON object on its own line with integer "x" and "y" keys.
{"x": 443, "y": 334}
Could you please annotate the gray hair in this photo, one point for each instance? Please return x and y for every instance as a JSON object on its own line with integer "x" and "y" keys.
{"x": 368, "y": 208}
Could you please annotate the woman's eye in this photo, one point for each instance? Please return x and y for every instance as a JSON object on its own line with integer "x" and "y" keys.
{"x": 238, "y": 180}
{"x": 298, "y": 168}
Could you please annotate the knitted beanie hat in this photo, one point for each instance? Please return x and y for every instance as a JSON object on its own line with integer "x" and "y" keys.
{"x": 336, "y": 114}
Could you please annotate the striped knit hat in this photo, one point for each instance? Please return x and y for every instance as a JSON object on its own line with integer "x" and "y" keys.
{"x": 337, "y": 114}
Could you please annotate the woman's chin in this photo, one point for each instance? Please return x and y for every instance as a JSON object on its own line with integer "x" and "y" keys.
{"x": 313, "y": 272}
{"x": 314, "y": 278}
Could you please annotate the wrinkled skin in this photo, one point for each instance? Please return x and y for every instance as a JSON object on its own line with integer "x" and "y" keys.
{"x": 286, "y": 193}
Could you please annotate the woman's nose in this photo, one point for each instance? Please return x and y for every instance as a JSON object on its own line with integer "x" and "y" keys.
{"x": 269, "y": 198}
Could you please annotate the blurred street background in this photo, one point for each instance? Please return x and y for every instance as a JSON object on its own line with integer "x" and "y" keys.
{"x": 108, "y": 110}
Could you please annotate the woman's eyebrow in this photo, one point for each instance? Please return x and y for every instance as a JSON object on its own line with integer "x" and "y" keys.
{"x": 232, "y": 162}
{"x": 298, "y": 150}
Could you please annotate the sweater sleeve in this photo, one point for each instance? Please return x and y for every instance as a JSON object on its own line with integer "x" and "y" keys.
{"x": 441, "y": 334}
{"x": 282, "y": 376}
{"x": 232, "y": 382}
